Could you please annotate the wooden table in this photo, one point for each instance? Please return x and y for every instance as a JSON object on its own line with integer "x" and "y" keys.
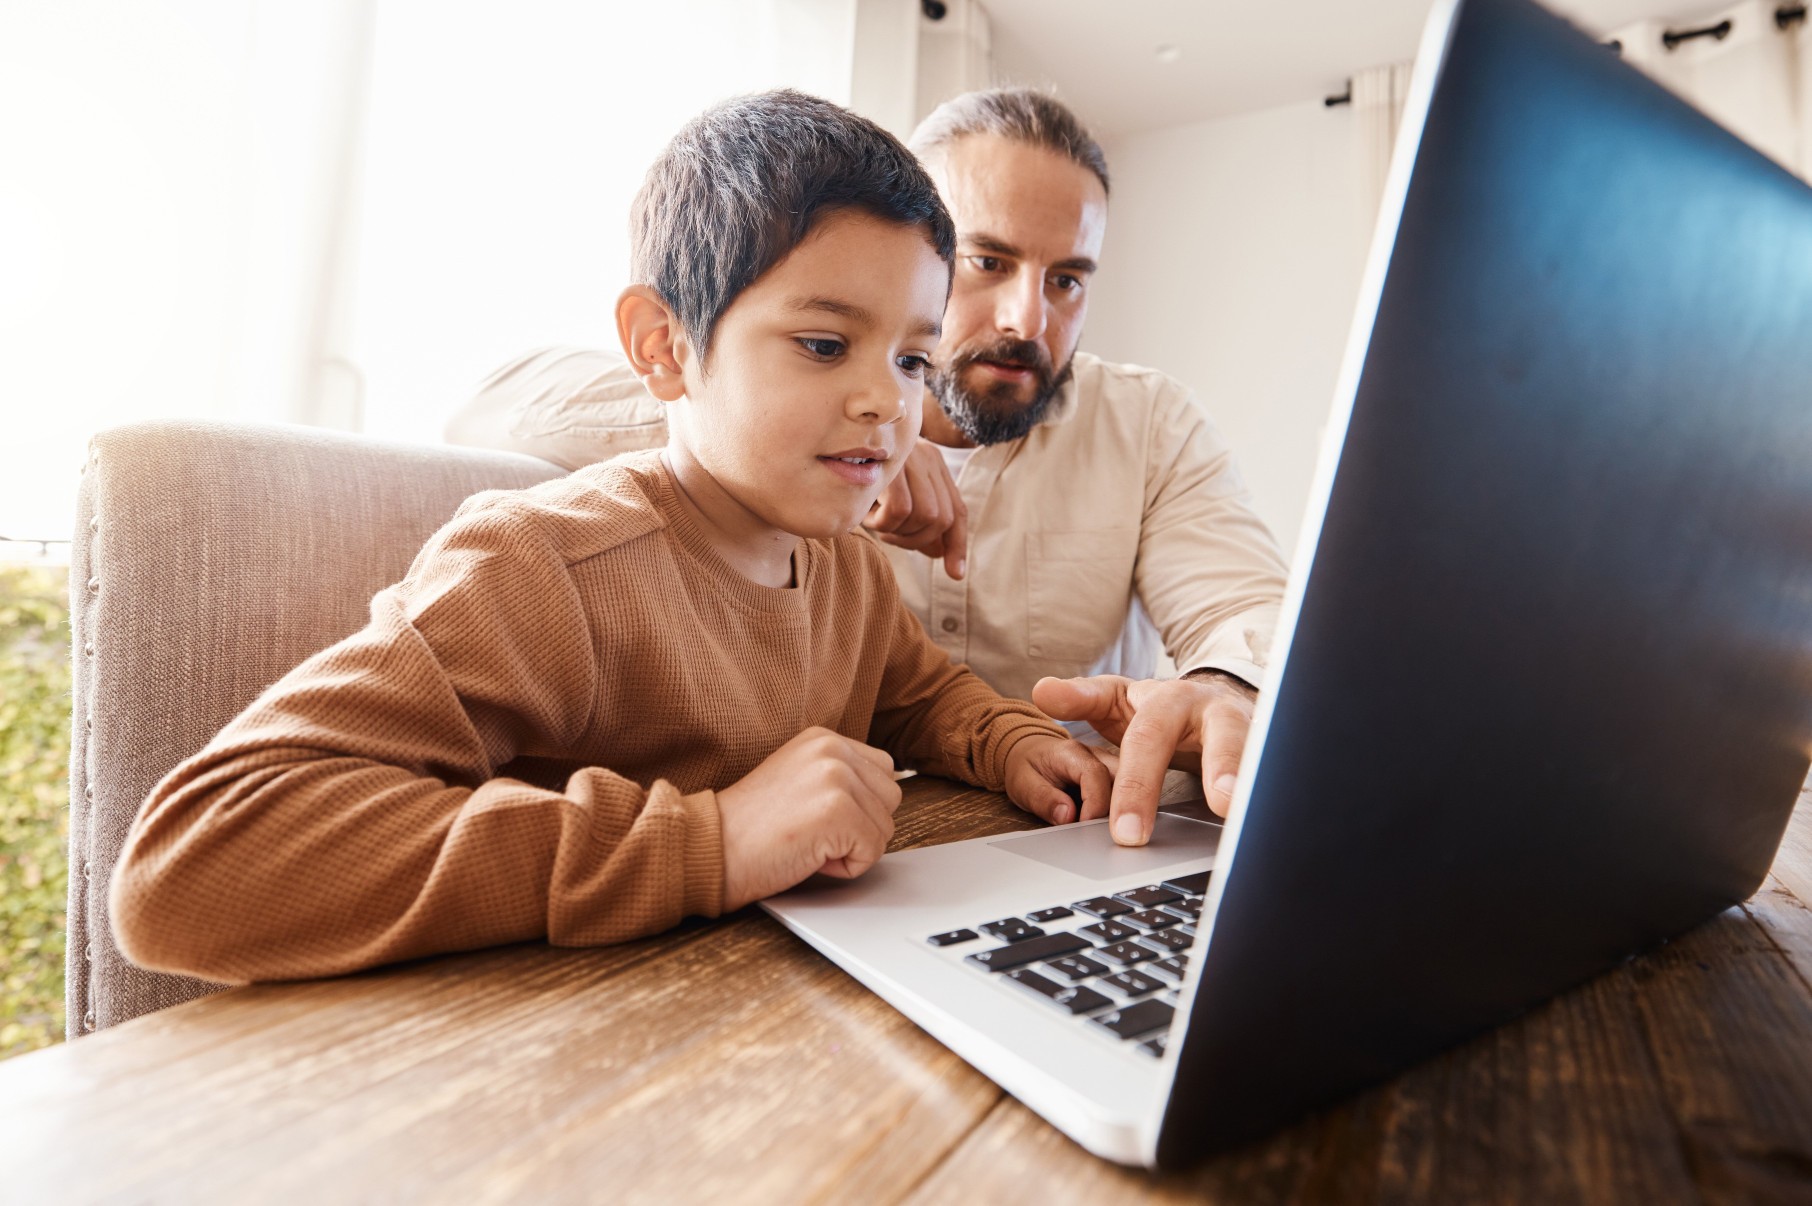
{"x": 728, "y": 1062}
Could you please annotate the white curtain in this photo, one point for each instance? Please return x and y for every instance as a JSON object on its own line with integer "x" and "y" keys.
{"x": 1756, "y": 80}
{"x": 1378, "y": 96}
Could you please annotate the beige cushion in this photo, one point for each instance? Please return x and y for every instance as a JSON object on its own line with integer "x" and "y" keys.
{"x": 209, "y": 559}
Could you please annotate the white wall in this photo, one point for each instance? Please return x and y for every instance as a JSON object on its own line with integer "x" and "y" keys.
{"x": 1232, "y": 261}
{"x": 502, "y": 149}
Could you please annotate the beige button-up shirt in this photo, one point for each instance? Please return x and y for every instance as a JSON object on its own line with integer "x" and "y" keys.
{"x": 1117, "y": 528}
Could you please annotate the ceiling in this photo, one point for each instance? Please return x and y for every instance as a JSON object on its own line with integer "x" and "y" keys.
{"x": 1230, "y": 57}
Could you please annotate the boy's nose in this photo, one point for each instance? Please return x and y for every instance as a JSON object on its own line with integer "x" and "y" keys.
{"x": 880, "y": 401}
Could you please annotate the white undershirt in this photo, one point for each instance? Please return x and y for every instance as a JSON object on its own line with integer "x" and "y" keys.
{"x": 955, "y": 458}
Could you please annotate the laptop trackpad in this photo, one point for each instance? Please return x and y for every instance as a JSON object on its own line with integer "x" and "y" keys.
{"x": 1089, "y": 851}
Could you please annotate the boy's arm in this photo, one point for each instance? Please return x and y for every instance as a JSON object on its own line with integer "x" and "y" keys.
{"x": 941, "y": 718}
{"x": 351, "y": 816}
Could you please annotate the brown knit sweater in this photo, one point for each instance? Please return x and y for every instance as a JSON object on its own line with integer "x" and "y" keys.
{"x": 525, "y": 740}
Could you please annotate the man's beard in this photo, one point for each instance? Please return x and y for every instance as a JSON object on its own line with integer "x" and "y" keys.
{"x": 994, "y": 414}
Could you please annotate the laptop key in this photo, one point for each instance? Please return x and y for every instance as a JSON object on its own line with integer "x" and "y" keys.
{"x": 1184, "y": 908}
{"x": 1153, "y": 1046}
{"x": 1130, "y": 983}
{"x": 1102, "y": 907}
{"x": 1109, "y": 931}
{"x": 1190, "y": 885}
{"x": 1150, "y": 919}
{"x": 1077, "y": 967}
{"x": 1170, "y": 940}
{"x": 1032, "y": 950}
{"x": 1125, "y": 954}
{"x": 1149, "y": 897}
{"x": 1071, "y": 998}
{"x": 951, "y": 937}
{"x": 1011, "y": 929}
{"x": 1135, "y": 1020}
{"x": 1051, "y": 914}
{"x": 1171, "y": 969}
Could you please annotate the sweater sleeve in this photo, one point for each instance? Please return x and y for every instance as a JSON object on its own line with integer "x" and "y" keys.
{"x": 352, "y": 816}
{"x": 942, "y": 718}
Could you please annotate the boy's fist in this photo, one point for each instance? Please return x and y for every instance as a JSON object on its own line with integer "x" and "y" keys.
{"x": 1041, "y": 771}
{"x": 819, "y": 803}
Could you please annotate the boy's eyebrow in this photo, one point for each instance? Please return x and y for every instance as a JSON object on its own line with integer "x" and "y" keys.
{"x": 855, "y": 313}
{"x": 830, "y": 305}
{"x": 988, "y": 243}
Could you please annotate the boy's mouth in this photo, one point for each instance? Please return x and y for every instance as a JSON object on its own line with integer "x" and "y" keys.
{"x": 857, "y": 466}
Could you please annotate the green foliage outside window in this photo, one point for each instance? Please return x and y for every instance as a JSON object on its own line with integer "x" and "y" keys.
{"x": 34, "y": 804}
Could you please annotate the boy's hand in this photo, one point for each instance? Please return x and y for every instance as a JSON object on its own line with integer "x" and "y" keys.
{"x": 819, "y": 803}
{"x": 1039, "y": 769}
{"x": 922, "y": 510}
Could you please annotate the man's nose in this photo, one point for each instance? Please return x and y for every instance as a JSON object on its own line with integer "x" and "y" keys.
{"x": 1020, "y": 311}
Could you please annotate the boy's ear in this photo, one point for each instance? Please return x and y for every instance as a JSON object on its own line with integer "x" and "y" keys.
{"x": 654, "y": 341}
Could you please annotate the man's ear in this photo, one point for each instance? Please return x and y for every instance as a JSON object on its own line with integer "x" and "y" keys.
{"x": 654, "y": 341}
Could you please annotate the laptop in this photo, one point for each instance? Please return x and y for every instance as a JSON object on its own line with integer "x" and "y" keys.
{"x": 1541, "y": 696}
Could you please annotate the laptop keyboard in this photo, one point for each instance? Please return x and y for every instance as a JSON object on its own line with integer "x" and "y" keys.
{"x": 1112, "y": 962}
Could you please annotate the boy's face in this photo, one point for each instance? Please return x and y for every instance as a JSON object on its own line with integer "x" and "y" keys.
{"x": 815, "y": 383}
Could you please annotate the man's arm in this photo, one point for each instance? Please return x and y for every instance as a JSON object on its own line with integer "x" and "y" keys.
{"x": 1212, "y": 579}
{"x": 571, "y": 406}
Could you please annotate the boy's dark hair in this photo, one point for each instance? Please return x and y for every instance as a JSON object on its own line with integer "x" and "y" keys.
{"x": 744, "y": 182}
{"x": 1019, "y": 114}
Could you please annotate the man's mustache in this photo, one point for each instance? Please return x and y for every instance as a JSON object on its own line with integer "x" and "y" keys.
{"x": 1019, "y": 353}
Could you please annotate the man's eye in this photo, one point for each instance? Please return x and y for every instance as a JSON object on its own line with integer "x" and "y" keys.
{"x": 1066, "y": 282}
{"x": 822, "y": 349}
{"x": 986, "y": 263}
{"x": 914, "y": 366}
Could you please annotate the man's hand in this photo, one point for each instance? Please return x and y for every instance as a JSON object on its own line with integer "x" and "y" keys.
{"x": 1041, "y": 770}
{"x": 819, "y": 803}
{"x": 1197, "y": 724}
{"x": 923, "y": 511}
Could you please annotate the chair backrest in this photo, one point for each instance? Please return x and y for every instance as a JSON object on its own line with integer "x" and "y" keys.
{"x": 209, "y": 559}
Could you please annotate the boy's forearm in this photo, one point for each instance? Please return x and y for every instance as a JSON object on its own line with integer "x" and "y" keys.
{"x": 963, "y": 729}
{"x": 285, "y": 863}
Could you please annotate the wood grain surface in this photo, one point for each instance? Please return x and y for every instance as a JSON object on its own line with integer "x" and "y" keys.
{"x": 725, "y": 1061}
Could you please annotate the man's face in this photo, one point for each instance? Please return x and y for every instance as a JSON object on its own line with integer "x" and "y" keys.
{"x": 1029, "y": 224}
{"x": 815, "y": 381}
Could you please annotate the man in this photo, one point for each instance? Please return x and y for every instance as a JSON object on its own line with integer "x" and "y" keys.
{"x": 1064, "y": 518}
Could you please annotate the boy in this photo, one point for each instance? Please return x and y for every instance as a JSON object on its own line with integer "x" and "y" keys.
{"x": 644, "y": 691}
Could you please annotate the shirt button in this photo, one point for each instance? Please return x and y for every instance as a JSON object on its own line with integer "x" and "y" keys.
{"x": 951, "y": 624}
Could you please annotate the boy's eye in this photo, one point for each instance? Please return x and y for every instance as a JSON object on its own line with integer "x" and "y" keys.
{"x": 821, "y": 349}
{"x": 914, "y": 366}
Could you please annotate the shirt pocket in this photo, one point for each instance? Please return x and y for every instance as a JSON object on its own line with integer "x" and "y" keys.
{"x": 1078, "y": 591}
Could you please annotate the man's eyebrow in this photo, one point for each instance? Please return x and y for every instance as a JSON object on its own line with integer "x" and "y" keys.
{"x": 989, "y": 243}
{"x": 983, "y": 242}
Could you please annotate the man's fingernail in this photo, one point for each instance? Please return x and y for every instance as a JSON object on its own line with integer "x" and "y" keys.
{"x": 1061, "y": 814}
{"x": 1225, "y": 785}
{"x": 962, "y": 566}
{"x": 1128, "y": 831}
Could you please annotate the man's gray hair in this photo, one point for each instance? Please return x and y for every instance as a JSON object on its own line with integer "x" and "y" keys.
{"x": 1019, "y": 114}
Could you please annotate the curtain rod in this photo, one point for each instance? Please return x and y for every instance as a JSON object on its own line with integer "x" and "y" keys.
{"x": 1785, "y": 18}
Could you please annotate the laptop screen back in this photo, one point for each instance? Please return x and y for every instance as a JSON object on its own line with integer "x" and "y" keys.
{"x": 1547, "y": 699}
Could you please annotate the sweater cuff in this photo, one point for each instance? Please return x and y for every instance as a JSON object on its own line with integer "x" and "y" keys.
{"x": 702, "y": 871}
{"x": 1009, "y": 732}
